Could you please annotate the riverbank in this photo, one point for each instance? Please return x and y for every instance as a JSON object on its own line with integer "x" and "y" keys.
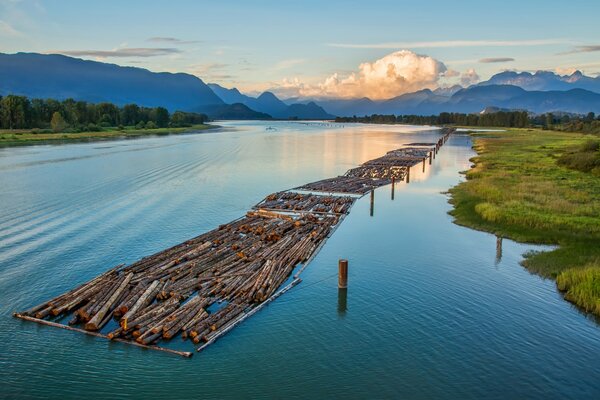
{"x": 9, "y": 138}
{"x": 519, "y": 189}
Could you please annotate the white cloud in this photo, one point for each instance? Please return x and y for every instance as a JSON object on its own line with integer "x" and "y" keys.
{"x": 119, "y": 52}
{"x": 469, "y": 77}
{"x": 451, "y": 43}
{"x": 395, "y": 74}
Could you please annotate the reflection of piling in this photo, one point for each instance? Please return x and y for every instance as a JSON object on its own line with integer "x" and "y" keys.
{"x": 430, "y": 157}
{"x": 342, "y": 301}
{"x": 407, "y": 174}
{"x": 342, "y": 274}
{"x": 424, "y": 164}
{"x": 372, "y": 201}
{"x": 393, "y": 186}
{"x": 498, "y": 249}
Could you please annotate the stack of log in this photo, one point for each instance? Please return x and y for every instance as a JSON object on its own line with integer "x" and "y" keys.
{"x": 235, "y": 268}
{"x": 306, "y": 202}
{"x": 168, "y": 293}
{"x": 342, "y": 184}
{"x": 378, "y": 172}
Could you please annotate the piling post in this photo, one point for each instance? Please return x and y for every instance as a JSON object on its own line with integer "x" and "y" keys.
{"x": 372, "y": 201}
{"x": 430, "y": 158}
{"x": 498, "y": 249}
{"x": 342, "y": 274}
{"x": 407, "y": 174}
{"x": 424, "y": 163}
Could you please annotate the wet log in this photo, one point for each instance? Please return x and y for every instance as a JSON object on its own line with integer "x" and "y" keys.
{"x": 94, "y": 324}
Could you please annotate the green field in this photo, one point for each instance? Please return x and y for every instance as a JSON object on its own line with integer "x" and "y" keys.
{"x": 28, "y": 137}
{"x": 540, "y": 186}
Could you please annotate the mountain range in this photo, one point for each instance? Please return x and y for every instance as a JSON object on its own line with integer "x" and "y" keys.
{"x": 61, "y": 77}
{"x": 268, "y": 103}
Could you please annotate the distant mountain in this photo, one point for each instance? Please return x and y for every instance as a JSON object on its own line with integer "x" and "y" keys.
{"x": 447, "y": 91}
{"x": 235, "y": 111}
{"x": 60, "y": 77}
{"x": 545, "y": 80}
{"x": 268, "y": 103}
{"x": 470, "y": 100}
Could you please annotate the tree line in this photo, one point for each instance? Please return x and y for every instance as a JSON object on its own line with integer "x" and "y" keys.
{"x": 20, "y": 112}
{"x": 589, "y": 123}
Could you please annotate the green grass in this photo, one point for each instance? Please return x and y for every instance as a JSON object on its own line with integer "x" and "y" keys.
{"x": 519, "y": 189}
{"x": 28, "y": 137}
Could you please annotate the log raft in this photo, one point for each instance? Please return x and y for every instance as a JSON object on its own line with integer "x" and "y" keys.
{"x": 202, "y": 288}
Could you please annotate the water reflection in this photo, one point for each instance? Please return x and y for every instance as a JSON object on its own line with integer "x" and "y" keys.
{"x": 342, "y": 304}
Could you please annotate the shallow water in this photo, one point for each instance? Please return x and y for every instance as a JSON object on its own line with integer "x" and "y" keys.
{"x": 430, "y": 311}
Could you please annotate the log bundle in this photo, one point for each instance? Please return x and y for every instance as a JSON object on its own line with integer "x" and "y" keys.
{"x": 306, "y": 202}
{"x": 201, "y": 288}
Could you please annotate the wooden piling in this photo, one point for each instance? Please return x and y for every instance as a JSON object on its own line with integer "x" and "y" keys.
{"x": 342, "y": 274}
{"x": 424, "y": 163}
{"x": 407, "y": 174}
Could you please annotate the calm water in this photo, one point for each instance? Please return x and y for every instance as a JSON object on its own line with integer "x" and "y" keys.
{"x": 430, "y": 312}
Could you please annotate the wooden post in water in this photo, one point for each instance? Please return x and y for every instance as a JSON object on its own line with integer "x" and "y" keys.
{"x": 372, "y": 201}
{"x": 407, "y": 174}
{"x": 393, "y": 186}
{"x": 424, "y": 163}
{"x": 342, "y": 274}
{"x": 430, "y": 158}
{"x": 498, "y": 249}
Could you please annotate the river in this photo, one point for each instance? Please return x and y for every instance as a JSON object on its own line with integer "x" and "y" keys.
{"x": 431, "y": 311}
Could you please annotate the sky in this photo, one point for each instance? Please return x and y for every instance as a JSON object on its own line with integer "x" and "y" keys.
{"x": 378, "y": 49}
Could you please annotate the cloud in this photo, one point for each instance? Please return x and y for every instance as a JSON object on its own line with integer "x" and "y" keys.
{"x": 122, "y": 52}
{"x": 451, "y": 73}
{"x": 7, "y": 30}
{"x": 451, "y": 43}
{"x": 211, "y": 71}
{"x": 496, "y": 60}
{"x": 584, "y": 49}
{"x": 160, "y": 39}
{"x": 395, "y": 74}
{"x": 469, "y": 77}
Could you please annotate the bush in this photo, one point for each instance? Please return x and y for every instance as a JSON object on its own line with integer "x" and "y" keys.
{"x": 140, "y": 125}
{"x": 151, "y": 125}
{"x": 586, "y": 158}
{"x": 93, "y": 128}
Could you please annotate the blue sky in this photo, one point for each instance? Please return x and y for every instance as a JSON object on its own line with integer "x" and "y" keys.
{"x": 314, "y": 46}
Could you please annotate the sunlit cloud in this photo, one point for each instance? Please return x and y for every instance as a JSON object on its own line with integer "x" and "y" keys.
{"x": 451, "y": 43}
{"x": 469, "y": 77}
{"x": 395, "y": 74}
{"x": 122, "y": 52}
{"x": 496, "y": 60}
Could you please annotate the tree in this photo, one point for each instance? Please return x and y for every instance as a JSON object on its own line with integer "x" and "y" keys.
{"x": 57, "y": 123}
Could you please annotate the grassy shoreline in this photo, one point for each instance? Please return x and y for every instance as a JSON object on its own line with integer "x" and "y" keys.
{"x": 518, "y": 189}
{"x": 12, "y": 138}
